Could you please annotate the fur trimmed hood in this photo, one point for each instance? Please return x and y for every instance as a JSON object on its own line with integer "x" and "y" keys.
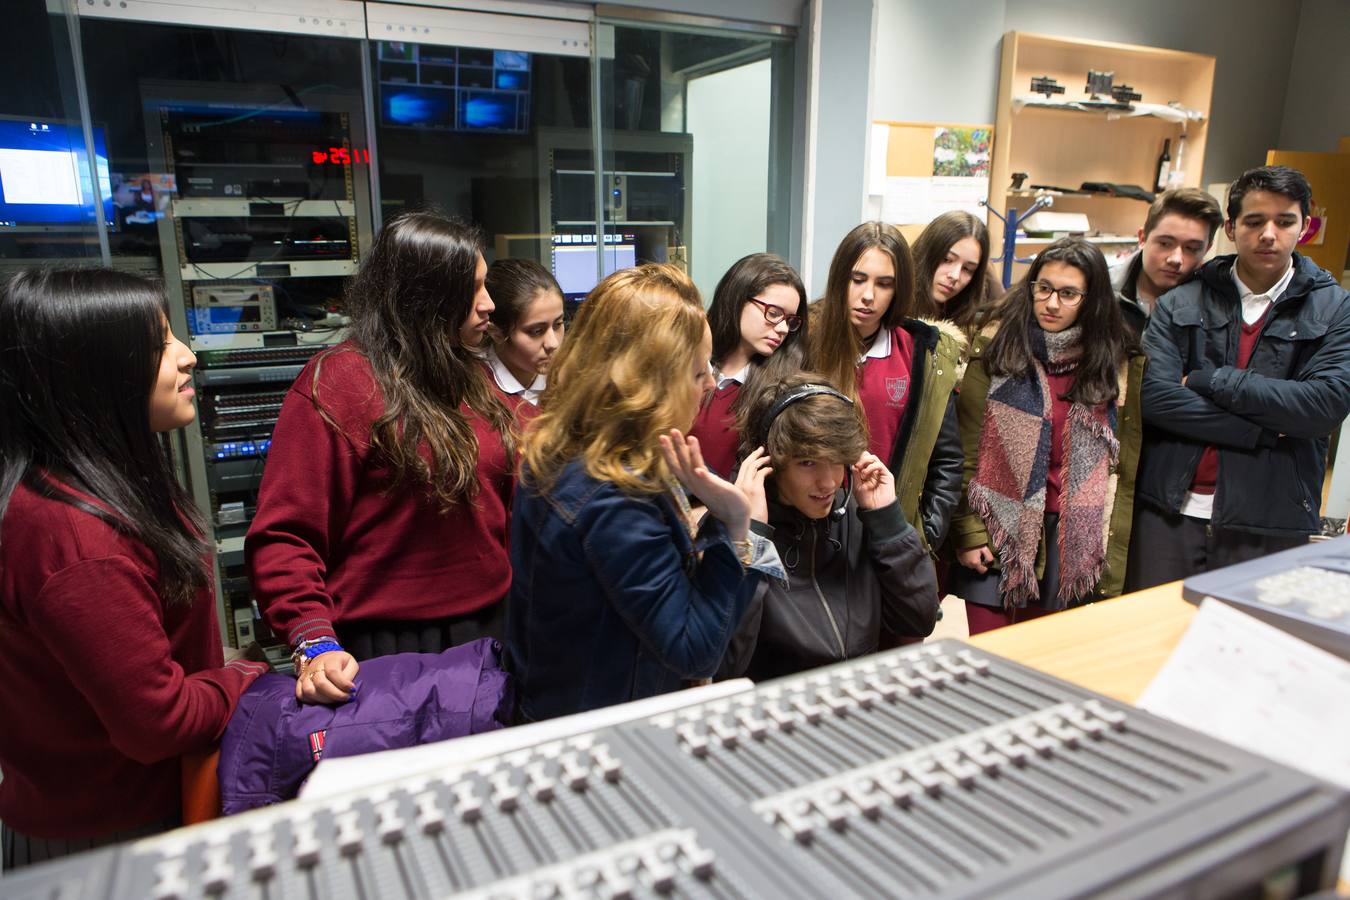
{"x": 950, "y": 330}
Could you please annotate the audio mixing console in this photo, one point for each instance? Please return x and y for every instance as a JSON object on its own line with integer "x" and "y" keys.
{"x": 931, "y": 771}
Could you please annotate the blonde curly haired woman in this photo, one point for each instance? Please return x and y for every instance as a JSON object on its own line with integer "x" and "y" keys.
{"x": 617, "y": 594}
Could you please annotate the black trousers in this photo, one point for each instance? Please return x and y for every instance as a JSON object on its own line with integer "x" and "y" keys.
{"x": 18, "y": 850}
{"x": 1166, "y": 547}
{"x": 369, "y": 638}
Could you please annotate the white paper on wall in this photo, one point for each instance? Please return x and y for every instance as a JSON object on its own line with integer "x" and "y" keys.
{"x": 917, "y": 201}
{"x": 876, "y": 159}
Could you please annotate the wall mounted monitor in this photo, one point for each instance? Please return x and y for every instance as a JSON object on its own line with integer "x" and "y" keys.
{"x": 462, "y": 89}
{"x": 44, "y": 177}
{"x": 409, "y": 106}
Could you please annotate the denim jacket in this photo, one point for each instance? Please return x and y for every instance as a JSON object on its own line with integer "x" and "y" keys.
{"x": 610, "y": 599}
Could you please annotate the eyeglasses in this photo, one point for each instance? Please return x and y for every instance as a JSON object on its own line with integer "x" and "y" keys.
{"x": 774, "y": 314}
{"x": 1044, "y": 290}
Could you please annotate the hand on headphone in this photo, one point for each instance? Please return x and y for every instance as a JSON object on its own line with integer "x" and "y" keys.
{"x": 750, "y": 479}
{"x": 873, "y": 484}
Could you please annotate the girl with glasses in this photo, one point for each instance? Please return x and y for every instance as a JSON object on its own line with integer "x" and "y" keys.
{"x": 902, "y": 370}
{"x": 951, "y": 258}
{"x": 109, "y": 646}
{"x": 1050, "y": 421}
{"x": 382, "y": 516}
{"x": 758, "y": 321}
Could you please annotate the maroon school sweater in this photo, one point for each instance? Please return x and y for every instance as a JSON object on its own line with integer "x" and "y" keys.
{"x": 102, "y": 686}
{"x": 883, "y": 388}
{"x": 1059, "y": 421}
{"x": 1207, "y": 470}
{"x": 716, "y": 431}
{"x": 333, "y": 540}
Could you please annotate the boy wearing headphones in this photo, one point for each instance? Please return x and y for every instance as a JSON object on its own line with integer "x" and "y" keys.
{"x": 853, "y": 563}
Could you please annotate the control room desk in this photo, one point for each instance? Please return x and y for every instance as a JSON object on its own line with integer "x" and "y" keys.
{"x": 1114, "y": 647}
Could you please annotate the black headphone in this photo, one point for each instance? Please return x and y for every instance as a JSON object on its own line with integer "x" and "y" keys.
{"x": 801, "y": 392}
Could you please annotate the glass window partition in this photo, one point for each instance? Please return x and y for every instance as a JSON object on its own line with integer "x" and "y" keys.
{"x": 498, "y": 132}
{"x": 239, "y": 167}
{"x": 691, "y": 145}
{"x": 249, "y": 168}
{"x": 51, "y": 200}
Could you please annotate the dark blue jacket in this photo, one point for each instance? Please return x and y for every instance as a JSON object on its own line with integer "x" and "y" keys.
{"x": 1270, "y": 421}
{"x": 610, "y": 601}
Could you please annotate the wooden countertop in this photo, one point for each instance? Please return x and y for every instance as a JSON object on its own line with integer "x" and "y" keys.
{"x": 1114, "y": 647}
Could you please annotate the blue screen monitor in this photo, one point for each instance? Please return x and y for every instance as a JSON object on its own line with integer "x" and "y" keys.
{"x": 489, "y": 111}
{"x": 462, "y": 89}
{"x": 511, "y": 59}
{"x": 44, "y": 177}
{"x": 417, "y": 107}
{"x": 506, "y": 80}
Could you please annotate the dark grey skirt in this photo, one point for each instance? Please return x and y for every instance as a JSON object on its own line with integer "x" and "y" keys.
{"x": 983, "y": 590}
{"x": 21, "y": 850}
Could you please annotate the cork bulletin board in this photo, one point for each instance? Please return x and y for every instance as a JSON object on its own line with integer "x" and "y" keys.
{"x": 921, "y": 169}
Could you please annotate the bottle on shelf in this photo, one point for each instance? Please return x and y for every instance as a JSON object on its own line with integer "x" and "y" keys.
{"x": 1164, "y": 161}
{"x": 1177, "y": 177}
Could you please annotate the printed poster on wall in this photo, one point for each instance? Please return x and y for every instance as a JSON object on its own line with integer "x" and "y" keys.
{"x": 952, "y": 175}
{"x": 962, "y": 152}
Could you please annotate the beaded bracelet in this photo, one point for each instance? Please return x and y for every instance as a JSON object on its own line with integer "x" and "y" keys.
{"x": 307, "y": 650}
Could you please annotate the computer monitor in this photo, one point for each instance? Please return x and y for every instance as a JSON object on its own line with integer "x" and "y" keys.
{"x": 417, "y": 107}
{"x": 44, "y": 176}
{"x": 454, "y": 88}
{"x": 574, "y": 266}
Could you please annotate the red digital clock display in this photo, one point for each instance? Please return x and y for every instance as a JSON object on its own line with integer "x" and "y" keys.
{"x": 340, "y": 156}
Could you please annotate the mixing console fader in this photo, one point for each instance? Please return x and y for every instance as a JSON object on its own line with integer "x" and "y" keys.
{"x": 930, "y": 771}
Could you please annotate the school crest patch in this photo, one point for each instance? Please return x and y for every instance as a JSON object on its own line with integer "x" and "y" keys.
{"x": 896, "y": 388}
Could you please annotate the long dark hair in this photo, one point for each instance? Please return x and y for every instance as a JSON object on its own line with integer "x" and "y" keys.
{"x": 78, "y": 362}
{"x": 513, "y": 284}
{"x": 930, "y": 250}
{"x": 835, "y": 345}
{"x": 408, "y": 301}
{"x": 748, "y": 277}
{"x": 1104, "y": 344}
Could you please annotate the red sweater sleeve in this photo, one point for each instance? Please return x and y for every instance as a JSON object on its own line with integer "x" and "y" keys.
{"x": 338, "y": 538}
{"x": 312, "y": 477}
{"x": 105, "y": 626}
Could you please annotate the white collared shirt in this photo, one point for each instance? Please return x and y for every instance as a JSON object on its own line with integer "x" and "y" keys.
{"x": 509, "y": 383}
{"x": 880, "y": 348}
{"x": 724, "y": 379}
{"x": 1254, "y": 306}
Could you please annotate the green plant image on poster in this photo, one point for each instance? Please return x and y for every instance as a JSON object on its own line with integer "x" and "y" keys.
{"x": 962, "y": 152}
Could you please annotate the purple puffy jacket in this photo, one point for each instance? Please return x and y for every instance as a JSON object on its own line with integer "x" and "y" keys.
{"x": 273, "y": 740}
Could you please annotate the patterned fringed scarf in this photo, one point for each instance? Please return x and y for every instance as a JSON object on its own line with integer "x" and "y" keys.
{"x": 1008, "y": 490}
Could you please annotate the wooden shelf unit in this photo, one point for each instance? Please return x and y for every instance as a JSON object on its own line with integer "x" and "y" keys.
{"x": 1068, "y": 147}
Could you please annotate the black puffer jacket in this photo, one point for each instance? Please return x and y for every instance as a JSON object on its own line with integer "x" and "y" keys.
{"x": 847, "y": 577}
{"x": 1270, "y": 420}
